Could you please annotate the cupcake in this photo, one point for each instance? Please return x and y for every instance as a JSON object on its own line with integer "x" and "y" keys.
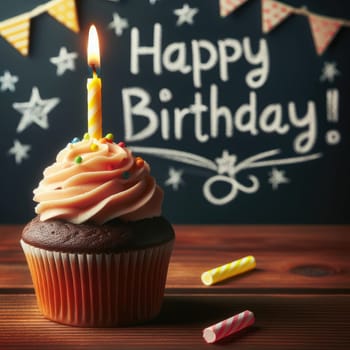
{"x": 98, "y": 250}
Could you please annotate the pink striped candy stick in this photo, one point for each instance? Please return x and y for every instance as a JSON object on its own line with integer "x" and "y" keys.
{"x": 229, "y": 326}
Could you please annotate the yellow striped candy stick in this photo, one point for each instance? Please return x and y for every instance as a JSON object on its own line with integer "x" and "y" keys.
{"x": 228, "y": 270}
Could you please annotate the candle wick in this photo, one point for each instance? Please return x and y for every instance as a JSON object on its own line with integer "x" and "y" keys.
{"x": 94, "y": 73}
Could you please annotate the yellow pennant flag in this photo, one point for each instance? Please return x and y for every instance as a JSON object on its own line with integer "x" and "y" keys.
{"x": 65, "y": 12}
{"x": 16, "y": 31}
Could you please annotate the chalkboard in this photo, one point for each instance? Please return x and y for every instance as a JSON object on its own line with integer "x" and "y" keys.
{"x": 240, "y": 125}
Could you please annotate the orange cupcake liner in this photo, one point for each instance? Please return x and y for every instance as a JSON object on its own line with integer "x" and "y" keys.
{"x": 99, "y": 290}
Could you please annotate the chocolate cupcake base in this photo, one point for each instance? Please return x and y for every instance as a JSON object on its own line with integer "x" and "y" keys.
{"x": 99, "y": 289}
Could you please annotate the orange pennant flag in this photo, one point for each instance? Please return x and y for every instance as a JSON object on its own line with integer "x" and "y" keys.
{"x": 65, "y": 12}
{"x": 323, "y": 31}
{"x": 273, "y": 13}
{"x": 16, "y": 32}
{"x": 228, "y": 6}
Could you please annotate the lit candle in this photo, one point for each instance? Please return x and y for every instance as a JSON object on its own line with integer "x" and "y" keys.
{"x": 94, "y": 87}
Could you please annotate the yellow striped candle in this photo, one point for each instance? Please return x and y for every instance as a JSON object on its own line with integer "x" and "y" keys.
{"x": 94, "y": 87}
{"x": 228, "y": 270}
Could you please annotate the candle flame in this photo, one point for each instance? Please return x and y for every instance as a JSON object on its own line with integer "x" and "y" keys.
{"x": 93, "y": 49}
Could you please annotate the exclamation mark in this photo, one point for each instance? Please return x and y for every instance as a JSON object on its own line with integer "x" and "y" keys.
{"x": 332, "y": 136}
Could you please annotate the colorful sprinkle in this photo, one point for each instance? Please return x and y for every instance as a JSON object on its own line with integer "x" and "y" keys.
{"x": 103, "y": 140}
{"x": 121, "y": 144}
{"x": 78, "y": 159}
{"x": 125, "y": 175}
{"x": 75, "y": 140}
{"x": 93, "y": 147}
{"x": 139, "y": 162}
{"x": 86, "y": 136}
{"x": 109, "y": 137}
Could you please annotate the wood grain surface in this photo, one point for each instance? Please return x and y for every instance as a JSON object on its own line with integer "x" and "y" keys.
{"x": 299, "y": 293}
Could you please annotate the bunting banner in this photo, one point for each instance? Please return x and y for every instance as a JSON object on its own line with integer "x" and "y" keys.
{"x": 16, "y": 30}
{"x": 323, "y": 31}
{"x": 65, "y": 12}
{"x": 274, "y": 12}
{"x": 228, "y": 6}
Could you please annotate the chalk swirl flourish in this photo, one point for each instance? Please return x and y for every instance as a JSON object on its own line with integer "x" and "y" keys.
{"x": 226, "y": 164}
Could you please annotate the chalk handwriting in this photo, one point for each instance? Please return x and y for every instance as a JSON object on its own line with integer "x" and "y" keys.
{"x": 146, "y": 116}
{"x": 201, "y": 56}
{"x": 250, "y": 117}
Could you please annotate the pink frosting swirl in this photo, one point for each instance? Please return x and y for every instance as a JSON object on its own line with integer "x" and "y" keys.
{"x": 97, "y": 181}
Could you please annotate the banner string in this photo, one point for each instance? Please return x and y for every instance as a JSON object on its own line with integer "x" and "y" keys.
{"x": 303, "y": 11}
{"x": 36, "y": 11}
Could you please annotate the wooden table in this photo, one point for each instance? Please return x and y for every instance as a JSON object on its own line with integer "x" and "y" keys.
{"x": 299, "y": 293}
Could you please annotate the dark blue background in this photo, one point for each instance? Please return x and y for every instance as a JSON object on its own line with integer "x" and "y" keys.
{"x": 318, "y": 191}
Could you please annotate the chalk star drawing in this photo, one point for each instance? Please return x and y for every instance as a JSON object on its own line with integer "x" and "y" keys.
{"x": 118, "y": 24}
{"x": 175, "y": 178}
{"x": 329, "y": 71}
{"x": 185, "y": 14}
{"x": 19, "y": 150}
{"x": 64, "y": 61}
{"x": 35, "y": 110}
{"x": 262, "y": 159}
{"x": 8, "y": 81}
{"x": 277, "y": 177}
{"x": 226, "y": 163}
